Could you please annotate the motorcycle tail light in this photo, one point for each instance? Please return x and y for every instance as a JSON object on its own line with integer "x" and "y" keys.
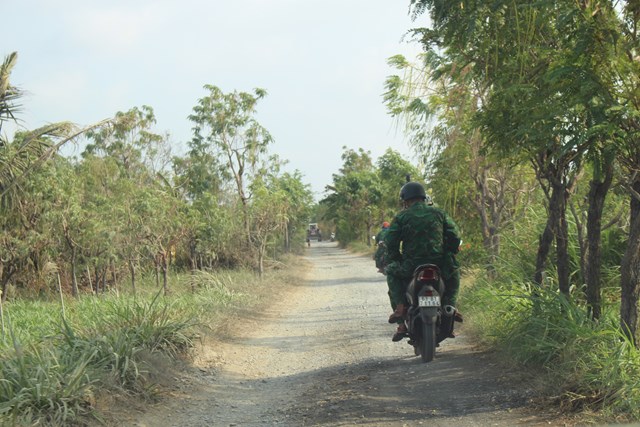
{"x": 428, "y": 274}
{"x": 428, "y": 293}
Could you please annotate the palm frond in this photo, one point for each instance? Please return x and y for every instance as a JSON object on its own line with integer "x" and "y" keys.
{"x": 8, "y": 93}
{"x": 35, "y": 148}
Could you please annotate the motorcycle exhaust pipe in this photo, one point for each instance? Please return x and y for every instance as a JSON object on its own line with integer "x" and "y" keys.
{"x": 449, "y": 310}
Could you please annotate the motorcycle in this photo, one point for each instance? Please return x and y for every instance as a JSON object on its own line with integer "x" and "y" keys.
{"x": 428, "y": 322}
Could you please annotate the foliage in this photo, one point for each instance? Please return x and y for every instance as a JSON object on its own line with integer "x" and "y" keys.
{"x": 225, "y": 126}
{"x": 44, "y": 386}
{"x": 503, "y": 91}
{"x": 127, "y": 207}
{"x": 363, "y": 195}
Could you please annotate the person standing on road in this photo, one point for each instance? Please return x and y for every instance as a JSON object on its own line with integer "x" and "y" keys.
{"x": 428, "y": 236}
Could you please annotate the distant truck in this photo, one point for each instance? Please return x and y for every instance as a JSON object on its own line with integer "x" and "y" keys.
{"x": 313, "y": 232}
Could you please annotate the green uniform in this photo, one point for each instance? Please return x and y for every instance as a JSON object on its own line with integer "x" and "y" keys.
{"x": 427, "y": 235}
{"x": 381, "y": 260}
{"x": 379, "y": 255}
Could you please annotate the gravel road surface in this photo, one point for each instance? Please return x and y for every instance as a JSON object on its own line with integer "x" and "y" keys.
{"x": 325, "y": 357}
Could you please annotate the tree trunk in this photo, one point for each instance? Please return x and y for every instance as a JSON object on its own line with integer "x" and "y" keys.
{"x": 582, "y": 244}
{"x": 157, "y": 265}
{"x": 132, "y": 271}
{"x": 287, "y": 242}
{"x": 562, "y": 238}
{"x": 5, "y": 276}
{"x": 114, "y": 276}
{"x": 165, "y": 267}
{"x": 630, "y": 273}
{"x": 193, "y": 254}
{"x": 261, "y": 251}
{"x": 74, "y": 253}
{"x": 369, "y": 227}
{"x": 3, "y": 291}
{"x": 74, "y": 278}
{"x": 544, "y": 246}
{"x": 97, "y": 279}
{"x": 490, "y": 219}
{"x": 89, "y": 277}
{"x": 597, "y": 194}
{"x": 245, "y": 208}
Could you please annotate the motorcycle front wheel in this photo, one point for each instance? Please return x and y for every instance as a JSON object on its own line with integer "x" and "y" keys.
{"x": 428, "y": 342}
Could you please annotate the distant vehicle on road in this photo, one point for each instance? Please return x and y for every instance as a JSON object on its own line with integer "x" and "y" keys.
{"x": 313, "y": 232}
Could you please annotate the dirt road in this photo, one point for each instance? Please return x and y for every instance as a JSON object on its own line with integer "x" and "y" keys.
{"x": 325, "y": 358}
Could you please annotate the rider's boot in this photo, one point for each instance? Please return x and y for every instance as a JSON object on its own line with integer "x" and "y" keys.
{"x": 398, "y": 313}
{"x": 400, "y": 333}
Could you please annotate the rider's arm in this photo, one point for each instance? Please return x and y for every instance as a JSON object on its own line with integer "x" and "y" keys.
{"x": 451, "y": 235}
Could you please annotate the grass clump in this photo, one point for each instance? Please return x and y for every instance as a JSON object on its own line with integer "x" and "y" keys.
{"x": 56, "y": 365}
{"x": 588, "y": 364}
{"x": 44, "y": 386}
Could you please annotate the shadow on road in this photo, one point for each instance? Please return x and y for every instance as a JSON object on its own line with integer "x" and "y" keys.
{"x": 403, "y": 391}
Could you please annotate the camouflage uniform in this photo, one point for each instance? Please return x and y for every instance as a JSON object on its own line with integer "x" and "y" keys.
{"x": 427, "y": 235}
{"x": 380, "y": 253}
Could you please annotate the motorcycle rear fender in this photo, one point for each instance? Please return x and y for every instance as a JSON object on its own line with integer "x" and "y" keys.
{"x": 429, "y": 315}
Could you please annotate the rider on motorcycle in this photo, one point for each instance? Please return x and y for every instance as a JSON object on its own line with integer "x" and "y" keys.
{"x": 428, "y": 236}
{"x": 379, "y": 255}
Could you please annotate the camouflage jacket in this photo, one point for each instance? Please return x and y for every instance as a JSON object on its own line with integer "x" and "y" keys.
{"x": 380, "y": 254}
{"x": 421, "y": 234}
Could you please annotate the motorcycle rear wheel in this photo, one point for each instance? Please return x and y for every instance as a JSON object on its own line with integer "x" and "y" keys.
{"x": 428, "y": 342}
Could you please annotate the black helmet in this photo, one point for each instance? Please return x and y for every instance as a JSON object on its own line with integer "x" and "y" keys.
{"x": 412, "y": 190}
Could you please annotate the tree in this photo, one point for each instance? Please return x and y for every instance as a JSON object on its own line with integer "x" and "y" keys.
{"x": 298, "y": 199}
{"x": 562, "y": 78}
{"x": 353, "y": 199}
{"x": 393, "y": 171}
{"x": 225, "y": 126}
{"x": 437, "y": 100}
{"x": 627, "y": 69}
{"x": 19, "y": 158}
{"x": 268, "y": 217}
{"x": 129, "y": 141}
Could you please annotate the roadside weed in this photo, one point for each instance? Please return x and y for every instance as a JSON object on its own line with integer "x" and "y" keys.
{"x": 52, "y": 367}
{"x": 590, "y": 365}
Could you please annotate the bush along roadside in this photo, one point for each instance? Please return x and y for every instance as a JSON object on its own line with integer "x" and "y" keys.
{"x": 57, "y": 359}
{"x": 590, "y": 365}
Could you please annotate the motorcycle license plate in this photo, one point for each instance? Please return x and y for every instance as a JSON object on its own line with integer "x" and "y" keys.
{"x": 429, "y": 301}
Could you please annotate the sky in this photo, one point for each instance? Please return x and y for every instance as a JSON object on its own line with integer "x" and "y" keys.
{"x": 323, "y": 64}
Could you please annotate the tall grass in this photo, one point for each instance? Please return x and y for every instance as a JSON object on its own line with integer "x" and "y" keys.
{"x": 53, "y": 367}
{"x": 591, "y": 365}
{"x": 43, "y": 385}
